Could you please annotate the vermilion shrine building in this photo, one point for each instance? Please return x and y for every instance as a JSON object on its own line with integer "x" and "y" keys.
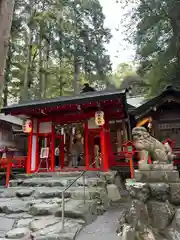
{"x": 57, "y": 122}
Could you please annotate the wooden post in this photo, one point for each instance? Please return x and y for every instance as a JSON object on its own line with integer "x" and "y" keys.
{"x": 29, "y": 158}
{"x": 52, "y": 148}
{"x": 119, "y": 138}
{"x": 37, "y": 146}
{"x": 129, "y": 129}
{"x": 86, "y": 147}
{"x": 93, "y": 157}
{"x": 62, "y": 151}
{"x": 103, "y": 150}
{"x": 124, "y": 131}
{"x": 131, "y": 165}
{"x": 8, "y": 171}
{"x": 6, "y": 15}
{"x": 109, "y": 150}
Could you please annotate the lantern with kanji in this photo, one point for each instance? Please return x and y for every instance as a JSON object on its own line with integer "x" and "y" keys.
{"x": 27, "y": 126}
{"x": 99, "y": 118}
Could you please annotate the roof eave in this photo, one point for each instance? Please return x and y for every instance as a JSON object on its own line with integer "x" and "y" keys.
{"x": 55, "y": 102}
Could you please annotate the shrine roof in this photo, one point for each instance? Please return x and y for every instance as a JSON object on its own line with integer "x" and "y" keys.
{"x": 135, "y": 102}
{"x": 11, "y": 119}
{"x": 67, "y": 100}
{"x": 168, "y": 95}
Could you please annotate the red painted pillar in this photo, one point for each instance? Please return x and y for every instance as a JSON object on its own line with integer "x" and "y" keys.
{"x": 8, "y": 171}
{"x": 86, "y": 147}
{"x": 28, "y": 164}
{"x": 109, "y": 151}
{"x": 37, "y": 146}
{"x": 52, "y": 159}
{"x": 104, "y": 149}
{"x": 62, "y": 151}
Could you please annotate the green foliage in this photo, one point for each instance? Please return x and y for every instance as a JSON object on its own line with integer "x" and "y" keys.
{"x": 154, "y": 25}
{"x": 126, "y": 77}
{"x": 123, "y": 70}
{"x": 54, "y": 46}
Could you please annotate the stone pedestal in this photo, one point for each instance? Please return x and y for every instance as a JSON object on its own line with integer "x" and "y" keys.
{"x": 156, "y": 176}
{"x": 155, "y": 206}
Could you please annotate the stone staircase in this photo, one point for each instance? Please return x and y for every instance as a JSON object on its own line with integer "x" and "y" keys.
{"x": 31, "y": 207}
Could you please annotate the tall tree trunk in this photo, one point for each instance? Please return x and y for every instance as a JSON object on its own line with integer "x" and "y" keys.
{"x": 61, "y": 85}
{"x": 76, "y": 76}
{"x": 60, "y": 65}
{"x": 41, "y": 80}
{"x": 60, "y": 20}
{"x": 46, "y": 74}
{"x": 24, "y": 93}
{"x": 76, "y": 58}
{"x": 174, "y": 15}
{"x": 7, "y": 75}
{"x": 6, "y": 15}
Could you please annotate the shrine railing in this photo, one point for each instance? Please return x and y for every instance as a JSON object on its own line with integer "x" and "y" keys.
{"x": 65, "y": 189}
{"x": 63, "y": 197}
{"x": 129, "y": 156}
{"x": 9, "y": 163}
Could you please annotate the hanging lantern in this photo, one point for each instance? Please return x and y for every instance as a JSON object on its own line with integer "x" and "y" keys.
{"x": 99, "y": 118}
{"x": 27, "y": 126}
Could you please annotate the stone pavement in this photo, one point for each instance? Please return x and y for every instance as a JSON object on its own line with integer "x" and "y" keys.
{"x": 104, "y": 228}
{"x": 31, "y": 207}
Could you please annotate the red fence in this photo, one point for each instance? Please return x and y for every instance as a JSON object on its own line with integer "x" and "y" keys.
{"x": 128, "y": 157}
{"x": 16, "y": 162}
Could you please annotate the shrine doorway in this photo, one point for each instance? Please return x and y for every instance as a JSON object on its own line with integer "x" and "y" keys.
{"x": 59, "y": 151}
{"x": 94, "y": 148}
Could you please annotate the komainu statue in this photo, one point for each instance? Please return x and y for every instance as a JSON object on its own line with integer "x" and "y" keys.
{"x": 143, "y": 141}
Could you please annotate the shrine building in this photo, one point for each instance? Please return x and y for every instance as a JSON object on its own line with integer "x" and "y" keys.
{"x": 162, "y": 116}
{"x": 90, "y": 128}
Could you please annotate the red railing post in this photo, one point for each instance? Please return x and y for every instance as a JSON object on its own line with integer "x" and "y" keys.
{"x": 129, "y": 154}
{"x": 8, "y": 171}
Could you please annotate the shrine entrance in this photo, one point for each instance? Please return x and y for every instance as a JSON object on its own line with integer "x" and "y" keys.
{"x": 95, "y": 148}
{"x": 59, "y": 151}
{"x": 44, "y": 153}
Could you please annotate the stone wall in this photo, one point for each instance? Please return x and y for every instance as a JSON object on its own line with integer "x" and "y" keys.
{"x": 155, "y": 208}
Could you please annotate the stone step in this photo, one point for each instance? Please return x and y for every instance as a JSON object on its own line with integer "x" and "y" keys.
{"x": 49, "y": 175}
{"x": 41, "y": 228}
{"x": 73, "y": 208}
{"x": 51, "y": 193}
{"x": 87, "y": 211}
{"x": 43, "y": 218}
{"x": 59, "y": 174}
{"x": 44, "y": 230}
{"x": 33, "y": 205}
{"x": 57, "y": 182}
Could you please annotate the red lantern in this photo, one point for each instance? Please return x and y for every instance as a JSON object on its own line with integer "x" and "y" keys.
{"x": 27, "y": 126}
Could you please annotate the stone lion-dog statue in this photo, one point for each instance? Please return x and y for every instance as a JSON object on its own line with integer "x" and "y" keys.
{"x": 143, "y": 141}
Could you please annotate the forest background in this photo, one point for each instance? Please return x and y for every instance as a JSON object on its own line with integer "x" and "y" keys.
{"x": 56, "y": 46}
